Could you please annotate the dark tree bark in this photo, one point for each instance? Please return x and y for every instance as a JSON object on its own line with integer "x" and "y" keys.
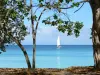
{"x": 95, "y": 6}
{"x": 24, "y": 52}
{"x": 34, "y": 50}
{"x": 33, "y": 36}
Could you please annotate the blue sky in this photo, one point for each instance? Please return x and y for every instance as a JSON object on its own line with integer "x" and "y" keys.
{"x": 47, "y": 35}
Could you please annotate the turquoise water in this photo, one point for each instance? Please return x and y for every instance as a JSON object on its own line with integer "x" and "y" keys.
{"x": 48, "y": 56}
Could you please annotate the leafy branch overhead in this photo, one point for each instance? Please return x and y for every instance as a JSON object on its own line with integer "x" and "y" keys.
{"x": 60, "y": 4}
{"x": 66, "y": 26}
{"x": 16, "y": 10}
{"x": 63, "y": 25}
{"x": 12, "y": 21}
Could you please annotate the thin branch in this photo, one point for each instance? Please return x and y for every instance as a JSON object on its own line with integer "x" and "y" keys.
{"x": 35, "y": 5}
{"x": 78, "y": 2}
{"x": 32, "y": 20}
{"x": 39, "y": 20}
{"x": 79, "y": 8}
{"x": 7, "y": 14}
{"x": 66, "y": 15}
{"x": 25, "y": 2}
{"x": 36, "y": 10}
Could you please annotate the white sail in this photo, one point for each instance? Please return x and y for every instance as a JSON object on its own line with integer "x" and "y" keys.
{"x": 58, "y": 41}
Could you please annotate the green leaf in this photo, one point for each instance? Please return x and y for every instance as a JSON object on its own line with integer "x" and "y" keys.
{"x": 40, "y": 5}
{"x": 53, "y": 23}
{"x": 41, "y": 1}
{"x": 67, "y": 1}
{"x": 29, "y": 18}
{"x": 75, "y": 4}
{"x": 43, "y": 21}
{"x": 61, "y": 1}
{"x": 22, "y": 17}
{"x": 60, "y": 21}
{"x": 55, "y": 16}
{"x": 26, "y": 14}
{"x": 69, "y": 32}
{"x": 66, "y": 22}
{"x": 34, "y": 17}
{"x": 5, "y": 1}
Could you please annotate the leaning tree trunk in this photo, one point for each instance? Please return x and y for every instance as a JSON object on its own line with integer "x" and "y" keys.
{"x": 95, "y": 6}
{"x": 24, "y": 52}
{"x": 26, "y": 56}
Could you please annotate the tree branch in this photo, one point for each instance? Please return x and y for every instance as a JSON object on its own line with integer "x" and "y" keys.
{"x": 32, "y": 20}
{"x": 25, "y": 2}
{"x": 39, "y": 20}
{"x": 66, "y": 15}
{"x": 79, "y": 8}
{"x": 36, "y": 10}
{"x": 78, "y": 2}
{"x": 35, "y": 5}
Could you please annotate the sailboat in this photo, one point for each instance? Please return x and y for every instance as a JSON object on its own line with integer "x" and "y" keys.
{"x": 58, "y": 52}
{"x": 58, "y": 42}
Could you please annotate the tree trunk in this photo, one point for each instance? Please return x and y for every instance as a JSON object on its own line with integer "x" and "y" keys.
{"x": 34, "y": 50}
{"x": 24, "y": 52}
{"x": 26, "y": 56}
{"x": 95, "y": 6}
{"x": 33, "y": 36}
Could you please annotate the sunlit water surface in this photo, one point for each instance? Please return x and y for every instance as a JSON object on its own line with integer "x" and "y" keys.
{"x": 48, "y": 56}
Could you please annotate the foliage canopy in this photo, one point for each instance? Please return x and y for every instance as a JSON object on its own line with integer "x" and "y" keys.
{"x": 14, "y": 11}
{"x": 12, "y": 21}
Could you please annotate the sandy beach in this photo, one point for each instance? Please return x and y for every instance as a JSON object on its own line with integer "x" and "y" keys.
{"x": 51, "y": 71}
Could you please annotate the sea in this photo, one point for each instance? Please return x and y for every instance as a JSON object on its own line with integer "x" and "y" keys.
{"x": 48, "y": 56}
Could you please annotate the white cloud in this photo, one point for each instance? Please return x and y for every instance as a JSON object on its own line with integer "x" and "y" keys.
{"x": 48, "y": 36}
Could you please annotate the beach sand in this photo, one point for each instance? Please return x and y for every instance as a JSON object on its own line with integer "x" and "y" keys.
{"x": 51, "y": 71}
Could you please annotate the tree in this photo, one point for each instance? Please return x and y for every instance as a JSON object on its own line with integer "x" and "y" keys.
{"x": 14, "y": 29}
{"x": 95, "y": 6}
{"x": 2, "y": 16}
{"x": 63, "y": 25}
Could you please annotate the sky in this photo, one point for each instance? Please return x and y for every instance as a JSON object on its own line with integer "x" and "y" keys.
{"x": 47, "y": 35}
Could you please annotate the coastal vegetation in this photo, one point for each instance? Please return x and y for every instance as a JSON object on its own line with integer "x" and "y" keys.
{"x": 13, "y": 29}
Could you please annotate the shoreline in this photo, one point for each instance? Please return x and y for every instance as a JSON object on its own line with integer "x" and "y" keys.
{"x": 84, "y": 70}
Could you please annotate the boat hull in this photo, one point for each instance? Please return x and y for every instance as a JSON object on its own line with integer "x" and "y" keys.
{"x": 58, "y": 47}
